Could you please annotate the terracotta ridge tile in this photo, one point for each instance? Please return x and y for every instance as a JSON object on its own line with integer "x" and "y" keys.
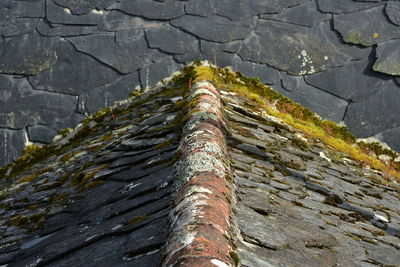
{"x": 200, "y": 216}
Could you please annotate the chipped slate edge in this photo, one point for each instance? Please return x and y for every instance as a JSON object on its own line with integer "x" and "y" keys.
{"x": 200, "y": 218}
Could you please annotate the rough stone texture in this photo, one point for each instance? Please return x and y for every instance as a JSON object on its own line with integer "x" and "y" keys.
{"x": 393, "y": 11}
{"x": 388, "y": 60}
{"x": 300, "y": 50}
{"x": 71, "y": 211}
{"x": 297, "y": 207}
{"x": 259, "y": 38}
{"x": 367, "y": 27}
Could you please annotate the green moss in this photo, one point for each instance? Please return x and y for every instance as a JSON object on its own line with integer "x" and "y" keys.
{"x": 164, "y": 144}
{"x": 65, "y": 132}
{"x": 138, "y": 219}
{"x": 33, "y": 222}
{"x": 35, "y": 175}
{"x": 235, "y": 257}
{"x": 377, "y": 149}
{"x": 300, "y": 144}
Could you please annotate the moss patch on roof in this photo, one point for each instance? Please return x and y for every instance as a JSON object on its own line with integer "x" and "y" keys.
{"x": 300, "y": 118}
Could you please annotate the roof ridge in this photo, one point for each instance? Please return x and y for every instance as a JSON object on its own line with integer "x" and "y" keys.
{"x": 200, "y": 218}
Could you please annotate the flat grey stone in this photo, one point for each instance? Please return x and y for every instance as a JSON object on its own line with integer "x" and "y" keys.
{"x": 27, "y": 54}
{"x": 171, "y": 40}
{"x": 345, "y": 6}
{"x": 375, "y": 114}
{"x": 52, "y": 30}
{"x": 84, "y": 7}
{"x": 238, "y": 10}
{"x": 319, "y": 101}
{"x": 152, "y": 74}
{"x": 274, "y": 238}
{"x": 393, "y": 11}
{"x": 265, "y": 73}
{"x": 41, "y": 133}
{"x": 122, "y": 59}
{"x": 355, "y": 81}
{"x": 82, "y": 77}
{"x": 19, "y": 26}
{"x": 16, "y": 9}
{"x": 382, "y": 253}
{"x": 118, "y": 21}
{"x": 388, "y": 57}
{"x": 208, "y": 47}
{"x": 160, "y": 10}
{"x": 366, "y": 27}
{"x": 62, "y": 15}
{"x": 11, "y": 145}
{"x": 212, "y": 28}
{"x": 308, "y": 51}
{"x": 390, "y": 137}
{"x": 22, "y": 113}
{"x": 305, "y": 14}
{"x": 103, "y": 96}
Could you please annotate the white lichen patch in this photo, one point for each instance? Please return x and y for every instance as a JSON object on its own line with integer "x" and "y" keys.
{"x": 201, "y": 91}
{"x": 322, "y": 155}
{"x": 219, "y": 263}
{"x": 195, "y": 163}
{"x": 67, "y": 10}
{"x": 305, "y": 62}
{"x": 97, "y": 11}
{"x": 197, "y": 189}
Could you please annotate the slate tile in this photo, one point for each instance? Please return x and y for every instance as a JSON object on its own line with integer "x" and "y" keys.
{"x": 212, "y": 28}
{"x": 58, "y": 14}
{"x": 122, "y": 60}
{"x": 155, "y": 72}
{"x": 392, "y": 9}
{"x": 388, "y": 58}
{"x": 11, "y": 146}
{"x": 367, "y": 27}
{"x": 345, "y": 6}
{"x": 310, "y": 49}
{"x": 84, "y": 7}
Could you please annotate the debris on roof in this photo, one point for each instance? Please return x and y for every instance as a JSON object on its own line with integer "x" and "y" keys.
{"x": 209, "y": 168}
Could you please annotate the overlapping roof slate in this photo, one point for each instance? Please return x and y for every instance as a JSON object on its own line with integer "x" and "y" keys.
{"x": 196, "y": 173}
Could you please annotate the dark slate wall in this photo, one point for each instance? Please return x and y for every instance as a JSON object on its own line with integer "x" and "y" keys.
{"x": 60, "y": 59}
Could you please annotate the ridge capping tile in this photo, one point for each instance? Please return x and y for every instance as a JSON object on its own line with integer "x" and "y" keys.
{"x": 200, "y": 216}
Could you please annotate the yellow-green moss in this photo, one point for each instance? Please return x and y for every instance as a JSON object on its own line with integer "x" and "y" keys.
{"x": 138, "y": 219}
{"x": 35, "y": 175}
{"x": 32, "y": 222}
{"x": 164, "y": 144}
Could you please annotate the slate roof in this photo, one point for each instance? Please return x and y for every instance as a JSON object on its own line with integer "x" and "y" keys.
{"x": 198, "y": 171}
{"x": 61, "y": 59}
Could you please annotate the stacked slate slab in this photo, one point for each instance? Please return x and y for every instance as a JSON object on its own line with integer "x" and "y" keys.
{"x": 138, "y": 185}
{"x": 62, "y": 59}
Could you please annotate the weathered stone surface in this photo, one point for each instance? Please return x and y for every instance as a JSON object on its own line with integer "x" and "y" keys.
{"x": 171, "y": 40}
{"x": 240, "y": 9}
{"x": 157, "y": 71}
{"x": 59, "y": 14}
{"x": 265, "y": 73}
{"x": 321, "y": 102}
{"x": 123, "y": 59}
{"x": 20, "y": 9}
{"x": 151, "y": 9}
{"x": 11, "y": 145}
{"x": 355, "y": 81}
{"x": 80, "y": 78}
{"x": 18, "y": 27}
{"x": 40, "y": 133}
{"x": 103, "y": 96}
{"x": 380, "y": 111}
{"x": 300, "y": 50}
{"x": 388, "y": 58}
{"x": 345, "y": 6}
{"x": 393, "y": 11}
{"x": 366, "y": 27}
{"x": 27, "y": 54}
{"x": 82, "y": 7}
{"x": 21, "y": 113}
{"x": 52, "y": 30}
{"x": 305, "y": 14}
{"x": 212, "y": 28}
{"x": 391, "y": 137}
{"x": 118, "y": 21}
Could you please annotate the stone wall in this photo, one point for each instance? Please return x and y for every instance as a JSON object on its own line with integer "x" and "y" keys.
{"x": 60, "y": 59}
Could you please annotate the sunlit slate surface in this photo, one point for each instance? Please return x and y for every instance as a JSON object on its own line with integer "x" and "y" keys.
{"x": 340, "y": 58}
